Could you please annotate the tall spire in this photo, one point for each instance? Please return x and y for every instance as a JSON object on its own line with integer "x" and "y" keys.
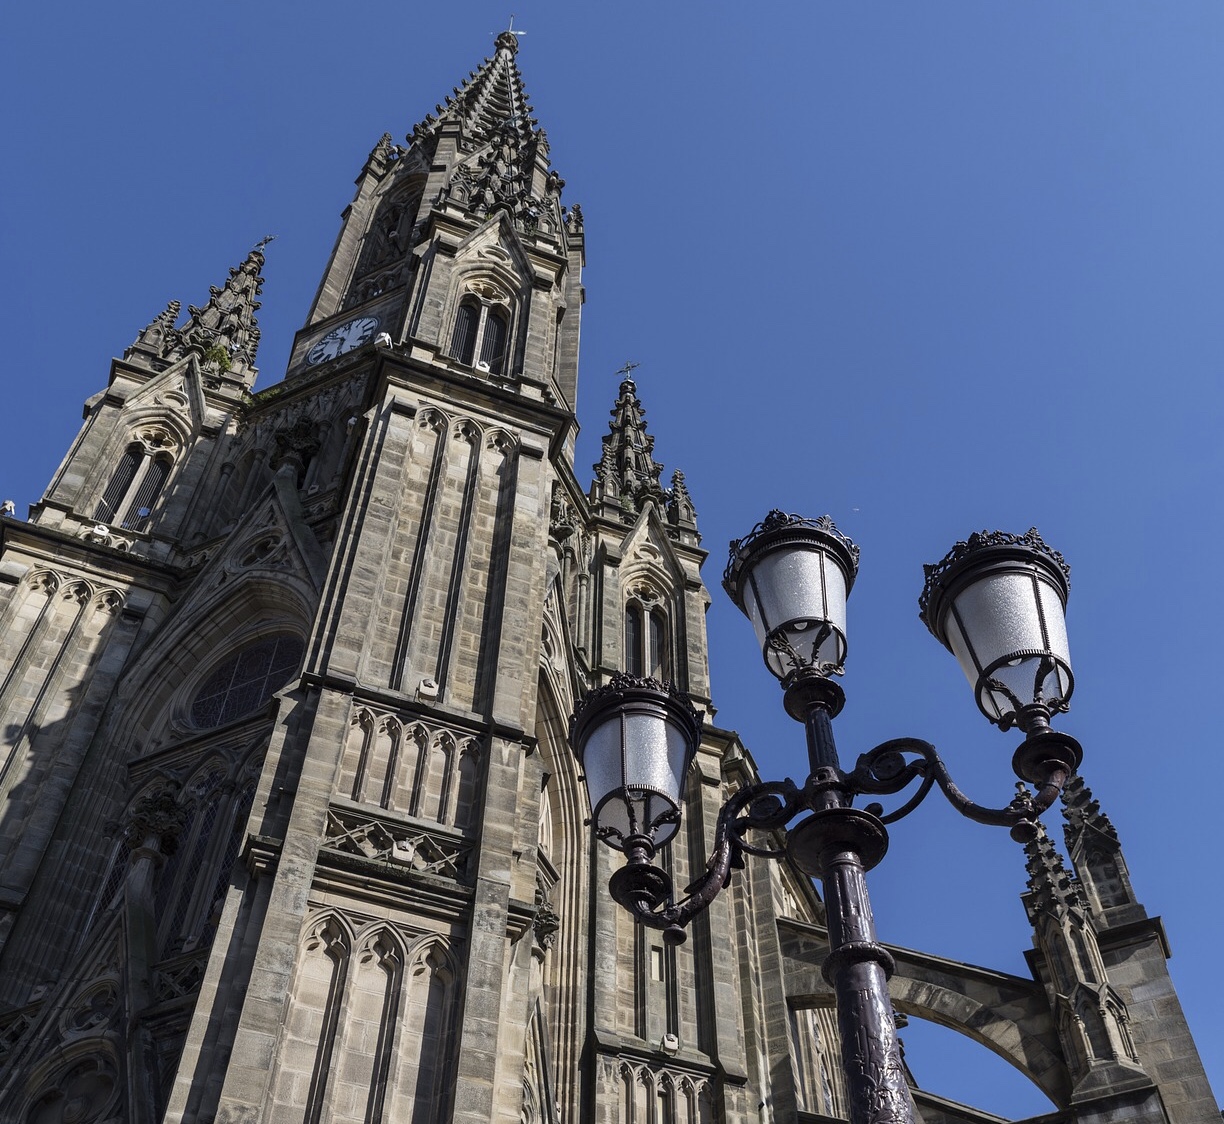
{"x": 627, "y": 475}
{"x": 1096, "y": 853}
{"x": 503, "y": 153}
{"x": 225, "y": 331}
{"x": 1051, "y": 888}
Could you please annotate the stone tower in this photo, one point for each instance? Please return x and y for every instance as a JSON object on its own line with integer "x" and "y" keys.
{"x": 291, "y": 831}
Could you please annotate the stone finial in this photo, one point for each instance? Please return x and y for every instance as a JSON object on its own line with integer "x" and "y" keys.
{"x": 680, "y": 510}
{"x": 158, "y": 814}
{"x": 1051, "y": 887}
{"x": 159, "y": 337}
{"x": 224, "y": 331}
{"x": 627, "y": 473}
{"x": 1082, "y": 812}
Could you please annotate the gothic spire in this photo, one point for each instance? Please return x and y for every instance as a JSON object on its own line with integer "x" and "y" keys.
{"x": 499, "y": 151}
{"x": 225, "y": 331}
{"x": 627, "y": 474}
{"x": 1051, "y": 888}
{"x": 1083, "y": 813}
{"x": 491, "y": 103}
{"x": 159, "y": 337}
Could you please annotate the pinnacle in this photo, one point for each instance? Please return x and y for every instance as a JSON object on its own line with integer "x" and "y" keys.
{"x": 227, "y": 322}
{"x": 1082, "y": 811}
{"x": 627, "y": 475}
{"x": 493, "y": 149}
{"x": 491, "y": 103}
{"x": 1050, "y": 884}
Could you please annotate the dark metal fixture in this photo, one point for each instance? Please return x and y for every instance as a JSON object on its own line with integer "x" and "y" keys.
{"x": 996, "y": 601}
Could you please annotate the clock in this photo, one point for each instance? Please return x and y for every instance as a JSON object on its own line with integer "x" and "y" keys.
{"x": 342, "y": 338}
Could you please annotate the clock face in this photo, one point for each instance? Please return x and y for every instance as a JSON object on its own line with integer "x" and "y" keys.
{"x": 343, "y": 338}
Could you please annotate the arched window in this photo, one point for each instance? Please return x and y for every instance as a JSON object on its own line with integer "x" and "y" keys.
{"x": 647, "y": 651}
{"x": 657, "y": 652}
{"x": 493, "y": 342}
{"x": 467, "y": 325}
{"x": 635, "y": 663}
{"x": 244, "y": 682}
{"x": 137, "y": 482}
{"x": 482, "y": 329}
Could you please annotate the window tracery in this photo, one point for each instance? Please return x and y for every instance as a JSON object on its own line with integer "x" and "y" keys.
{"x": 647, "y": 633}
{"x": 138, "y": 480}
{"x": 244, "y": 682}
{"x": 481, "y": 332}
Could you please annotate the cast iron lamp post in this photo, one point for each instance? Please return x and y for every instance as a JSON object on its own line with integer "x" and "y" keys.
{"x": 996, "y": 601}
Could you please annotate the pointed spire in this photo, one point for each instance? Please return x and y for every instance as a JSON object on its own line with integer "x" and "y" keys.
{"x": 627, "y": 475}
{"x": 680, "y": 510}
{"x": 1051, "y": 888}
{"x": 225, "y": 330}
{"x": 1096, "y": 853}
{"x": 159, "y": 337}
{"x": 496, "y": 152}
{"x": 1083, "y": 813}
{"x": 491, "y": 102}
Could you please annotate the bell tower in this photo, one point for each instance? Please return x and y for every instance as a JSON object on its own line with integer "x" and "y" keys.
{"x": 458, "y": 245}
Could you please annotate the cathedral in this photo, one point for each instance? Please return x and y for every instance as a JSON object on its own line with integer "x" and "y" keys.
{"x": 291, "y": 830}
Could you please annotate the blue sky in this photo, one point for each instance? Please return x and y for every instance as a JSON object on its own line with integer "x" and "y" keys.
{"x": 929, "y": 268}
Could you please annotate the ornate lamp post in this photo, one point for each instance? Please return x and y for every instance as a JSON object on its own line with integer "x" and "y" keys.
{"x": 996, "y": 601}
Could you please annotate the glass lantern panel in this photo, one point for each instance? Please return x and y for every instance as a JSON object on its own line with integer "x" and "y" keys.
{"x": 800, "y": 589}
{"x": 999, "y": 614}
{"x": 997, "y": 618}
{"x": 601, "y": 759}
{"x": 649, "y": 750}
{"x": 614, "y": 815}
{"x": 1055, "y": 621}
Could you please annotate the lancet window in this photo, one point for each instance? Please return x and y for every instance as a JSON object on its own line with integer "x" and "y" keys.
{"x": 482, "y": 328}
{"x": 647, "y": 651}
{"x": 137, "y": 482}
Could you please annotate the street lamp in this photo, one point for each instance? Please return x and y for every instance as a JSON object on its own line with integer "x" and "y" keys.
{"x": 996, "y": 601}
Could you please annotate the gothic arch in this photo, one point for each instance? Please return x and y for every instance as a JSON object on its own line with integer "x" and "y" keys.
{"x": 564, "y": 882}
{"x": 152, "y": 693}
{"x": 1028, "y": 1042}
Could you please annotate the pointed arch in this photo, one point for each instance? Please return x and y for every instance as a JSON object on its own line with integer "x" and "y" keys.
{"x": 143, "y": 453}
{"x": 308, "y": 1035}
{"x": 371, "y": 1017}
{"x": 425, "y": 1057}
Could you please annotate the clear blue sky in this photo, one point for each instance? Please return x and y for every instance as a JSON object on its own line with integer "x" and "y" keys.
{"x": 928, "y": 267}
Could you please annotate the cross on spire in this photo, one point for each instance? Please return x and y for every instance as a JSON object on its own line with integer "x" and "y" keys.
{"x": 508, "y": 38}
{"x": 628, "y": 369}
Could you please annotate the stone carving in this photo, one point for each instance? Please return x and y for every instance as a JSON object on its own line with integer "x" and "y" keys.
{"x": 181, "y": 976}
{"x": 394, "y": 844}
{"x": 545, "y": 923}
{"x": 488, "y": 290}
{"x": 86, "y": 1092}
{"x": 93, "y": 1008}
{"x": 159, "y": 815}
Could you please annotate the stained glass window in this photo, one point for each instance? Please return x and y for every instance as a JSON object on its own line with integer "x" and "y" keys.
{"x": 246, "y": 681}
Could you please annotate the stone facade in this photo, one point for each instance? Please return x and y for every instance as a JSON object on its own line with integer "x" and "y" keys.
{"x": 291, "y": 828}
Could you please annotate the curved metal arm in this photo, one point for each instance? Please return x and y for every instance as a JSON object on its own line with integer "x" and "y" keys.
{"x": 1045, "y": 759}
{"x": 645, "y": 891}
